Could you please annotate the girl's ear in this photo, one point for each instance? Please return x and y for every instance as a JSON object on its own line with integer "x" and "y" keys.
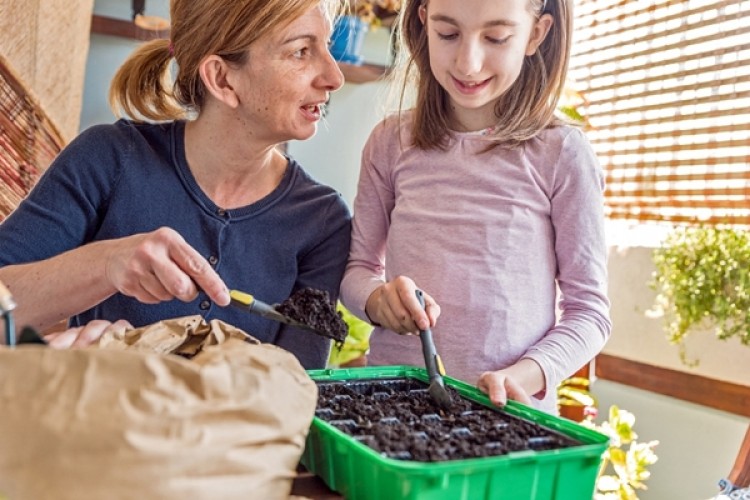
{"x": 422, "y": 11}
{"x": 214, "y": 72}
{"x": 539, "y": 33}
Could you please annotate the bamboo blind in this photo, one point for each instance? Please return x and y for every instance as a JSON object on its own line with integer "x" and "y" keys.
{"x": 28, "y": 141}
{"x": 667, "y": 90}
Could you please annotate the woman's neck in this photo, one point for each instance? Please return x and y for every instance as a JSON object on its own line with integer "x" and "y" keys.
{"x": 231, "y": 170}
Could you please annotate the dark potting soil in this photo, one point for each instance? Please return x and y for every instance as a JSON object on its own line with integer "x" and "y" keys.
{"x": 314, "y": 308}
{"x": 398, "y": 418}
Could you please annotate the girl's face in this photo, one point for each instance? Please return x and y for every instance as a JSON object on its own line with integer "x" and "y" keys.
{"x": 477, "y": 49}
{"x": 287, "y": 79}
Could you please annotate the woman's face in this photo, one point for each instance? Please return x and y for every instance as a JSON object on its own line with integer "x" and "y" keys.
{"x": 287, "y": 79}
{"x": 477, "y": 49}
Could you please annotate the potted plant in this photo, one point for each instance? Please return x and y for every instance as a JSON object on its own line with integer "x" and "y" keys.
{"x": 702, "y": 280}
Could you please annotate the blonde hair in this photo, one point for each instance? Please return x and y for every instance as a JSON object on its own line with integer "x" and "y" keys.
{"x": 525, "y": 109}
{"x": 143, "y": 87}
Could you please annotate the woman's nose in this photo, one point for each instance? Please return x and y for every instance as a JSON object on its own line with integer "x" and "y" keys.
{"x": 332, "y": 77}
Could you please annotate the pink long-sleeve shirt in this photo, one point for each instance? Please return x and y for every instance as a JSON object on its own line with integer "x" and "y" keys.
{"x": 491, "y": 236}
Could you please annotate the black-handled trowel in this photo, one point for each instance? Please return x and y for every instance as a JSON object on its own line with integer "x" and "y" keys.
{"x": 434, "y": 364}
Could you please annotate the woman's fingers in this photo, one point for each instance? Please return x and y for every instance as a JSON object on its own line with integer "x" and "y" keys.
{"x": 161, "y": 266}
{"x": 83, "y": 336}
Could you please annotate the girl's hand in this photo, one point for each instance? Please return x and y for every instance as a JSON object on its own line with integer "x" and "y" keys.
{"x": 82, "y": 336}
{"x": 160, "y": 266}
{"x": 500, "y": 387}
{"x": 394, "y": 305}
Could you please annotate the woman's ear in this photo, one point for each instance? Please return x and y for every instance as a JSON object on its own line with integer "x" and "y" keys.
{"x": 539, "y": 32}
{"x": 214, "y": 72}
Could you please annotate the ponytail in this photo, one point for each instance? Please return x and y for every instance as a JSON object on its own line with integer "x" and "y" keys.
{"x": 142, "y": 86}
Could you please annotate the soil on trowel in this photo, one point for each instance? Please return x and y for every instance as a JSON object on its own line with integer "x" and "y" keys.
{"x": 315, "y": 309}
{"x": 399, "y": 419}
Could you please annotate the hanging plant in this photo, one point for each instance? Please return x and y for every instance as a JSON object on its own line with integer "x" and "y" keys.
{"x": 702, "y": 280}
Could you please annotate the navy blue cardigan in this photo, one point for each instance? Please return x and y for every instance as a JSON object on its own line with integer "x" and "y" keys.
{"x": 126, "y": 178}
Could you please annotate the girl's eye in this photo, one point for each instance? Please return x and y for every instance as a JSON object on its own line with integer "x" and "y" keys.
{"x": 447, "y": 36}
{"x": 497, "y": 41}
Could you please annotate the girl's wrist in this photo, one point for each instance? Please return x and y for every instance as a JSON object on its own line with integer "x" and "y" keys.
{"x": 371, "y": 305}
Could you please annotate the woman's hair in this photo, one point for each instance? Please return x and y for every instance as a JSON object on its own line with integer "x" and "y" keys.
{"x": 526, "y": 108}
{"x": 143, "y": 87}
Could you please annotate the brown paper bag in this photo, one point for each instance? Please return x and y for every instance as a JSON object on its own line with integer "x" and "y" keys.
{"x": 128, "y": 421}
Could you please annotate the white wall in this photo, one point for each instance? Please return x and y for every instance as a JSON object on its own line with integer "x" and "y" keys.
{"x": 698, "y": 444}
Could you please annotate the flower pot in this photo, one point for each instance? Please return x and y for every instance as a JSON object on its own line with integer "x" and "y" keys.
{"x": 347, "y": 38}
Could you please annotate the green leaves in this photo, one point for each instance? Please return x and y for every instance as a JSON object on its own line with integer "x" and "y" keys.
{"x": 702, "y": 279}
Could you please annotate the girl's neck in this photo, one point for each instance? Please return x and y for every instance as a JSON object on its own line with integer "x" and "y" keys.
{"x": 474, "y": 121}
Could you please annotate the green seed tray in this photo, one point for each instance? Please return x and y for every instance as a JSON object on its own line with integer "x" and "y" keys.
{"x": 359, "y": 472}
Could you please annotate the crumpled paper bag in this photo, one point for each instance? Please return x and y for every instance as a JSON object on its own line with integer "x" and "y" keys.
{"x": 128, "y": 420}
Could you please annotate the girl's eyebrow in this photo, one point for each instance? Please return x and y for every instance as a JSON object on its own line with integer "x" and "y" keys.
{"x": 488, "y": 24}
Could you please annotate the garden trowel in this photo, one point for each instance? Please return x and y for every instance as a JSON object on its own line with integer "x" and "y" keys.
{"x": 434, "y": 364}
{"x": 249, "y": 303}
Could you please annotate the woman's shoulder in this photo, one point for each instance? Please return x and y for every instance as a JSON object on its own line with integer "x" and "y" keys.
{"x": 123, "y": 133}
{"x": 305, "y": 185}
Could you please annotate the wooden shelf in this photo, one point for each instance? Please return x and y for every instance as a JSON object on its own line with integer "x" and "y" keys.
{"x": 363, "y": 73}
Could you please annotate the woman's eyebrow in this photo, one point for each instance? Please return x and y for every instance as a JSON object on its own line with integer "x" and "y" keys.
{"x": 294, "y": 38}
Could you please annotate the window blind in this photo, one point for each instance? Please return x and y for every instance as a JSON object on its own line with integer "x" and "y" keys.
{"x": 28, "y": 141}
{"x": 666, "y": 88}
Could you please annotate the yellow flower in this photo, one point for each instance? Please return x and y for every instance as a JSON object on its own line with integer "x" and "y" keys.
{"x": 375, "y": 12}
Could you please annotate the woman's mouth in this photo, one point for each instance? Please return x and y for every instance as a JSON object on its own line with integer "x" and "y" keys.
{"x": 312, "y": 112}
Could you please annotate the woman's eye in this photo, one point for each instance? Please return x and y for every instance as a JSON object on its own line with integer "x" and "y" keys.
{"x": 300, "y": 53}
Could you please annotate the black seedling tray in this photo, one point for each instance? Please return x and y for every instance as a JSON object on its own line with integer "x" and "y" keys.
{"x": 398, "y": 419}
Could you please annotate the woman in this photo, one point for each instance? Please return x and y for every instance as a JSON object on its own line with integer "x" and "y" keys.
{"x": 134, "y": 215}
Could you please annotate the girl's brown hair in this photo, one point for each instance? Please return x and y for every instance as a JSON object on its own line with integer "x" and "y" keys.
{"x": 143, "y": 87}
{"x": 526, "y": 108}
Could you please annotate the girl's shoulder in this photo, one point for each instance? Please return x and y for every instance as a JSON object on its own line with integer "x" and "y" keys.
{"x": 393, "y": 133}
{"x": 563, "y": 135}
{"x": 558, "y": 142}
{"x": 395, "y": 125}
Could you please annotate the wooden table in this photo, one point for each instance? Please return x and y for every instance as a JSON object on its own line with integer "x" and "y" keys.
{"x": 309, "y": 485}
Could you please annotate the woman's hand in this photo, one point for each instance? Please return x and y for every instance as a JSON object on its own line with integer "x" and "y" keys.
{"x": 160, "y": 266}
{"x": 82, "y": 336}
{"x": 394, "y": 305}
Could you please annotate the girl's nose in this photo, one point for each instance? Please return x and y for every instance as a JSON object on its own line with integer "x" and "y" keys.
{"x": 469, "y": 58}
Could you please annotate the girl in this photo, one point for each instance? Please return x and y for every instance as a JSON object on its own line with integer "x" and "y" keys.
{"x": 484, "y": 200}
